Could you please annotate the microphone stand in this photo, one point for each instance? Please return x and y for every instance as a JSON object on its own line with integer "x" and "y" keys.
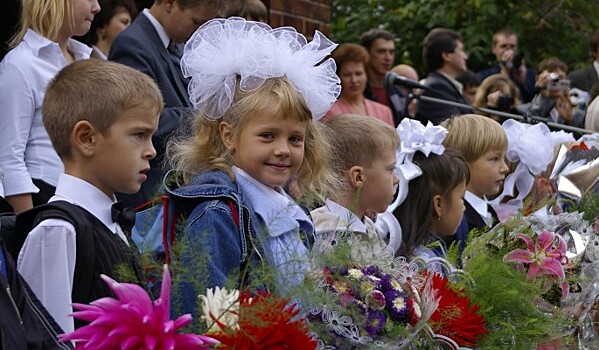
{"x": 525, "y": 119}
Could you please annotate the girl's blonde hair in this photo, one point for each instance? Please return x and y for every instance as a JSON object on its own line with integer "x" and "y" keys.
{"x": 44, "y": 17}
{"x": 205, "y": 150}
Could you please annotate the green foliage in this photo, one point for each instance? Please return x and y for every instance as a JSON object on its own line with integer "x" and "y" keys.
{"x": 589, "y": 205}
{"x": 514, "y": 319}
{"x": 559, "y": 28}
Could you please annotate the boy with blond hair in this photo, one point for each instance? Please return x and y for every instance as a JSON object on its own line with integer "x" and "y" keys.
{"x": 483, "y": 143}
{"x": 100, "y": 117}
{"x": 365, "y": 156}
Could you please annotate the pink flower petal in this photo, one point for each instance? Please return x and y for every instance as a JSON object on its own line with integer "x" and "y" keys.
{"x": 554, "y": 266}
{"x": 545, "y": 241}
{"x": 565, "y": 289}
{"x": 533, "y": 271}
{"x": 519, "y": 255}
{"x": 529, "y": 243}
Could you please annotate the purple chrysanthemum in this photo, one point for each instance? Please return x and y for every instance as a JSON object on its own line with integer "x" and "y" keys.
{"x": 375, "y": 323}
{"x": 397, "y": 304}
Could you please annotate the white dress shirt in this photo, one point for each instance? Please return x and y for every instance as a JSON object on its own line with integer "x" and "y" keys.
{"x": 159, "y": 28}
{"x": 47, "y": 259}
{"x": 480, "y": 205}
{"x": 26, "y": 152}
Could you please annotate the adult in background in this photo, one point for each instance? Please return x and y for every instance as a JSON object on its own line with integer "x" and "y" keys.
{"x": 410, "y": 73}
{"x": 552, "y": 102}
{"x": 153, "y": 44}
{"x": 116, "y": 15}
{"x": 351, "y": 60}
{"x": 444, "y": 58}
{"x": 511, "y": 63}
{"x": 380, "y": 45}
{"x": 586, "y": 77}
{"x": 42, "y": 47}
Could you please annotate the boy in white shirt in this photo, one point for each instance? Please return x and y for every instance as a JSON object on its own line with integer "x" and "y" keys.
{"x": 100, "y": 117}
{"x": 365, "y": 155}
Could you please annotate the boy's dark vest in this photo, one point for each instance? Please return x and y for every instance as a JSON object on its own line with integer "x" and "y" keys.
{"x": 99, "y": 251}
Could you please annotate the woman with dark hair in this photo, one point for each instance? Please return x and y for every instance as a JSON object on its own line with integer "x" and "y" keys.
{"x": 351, "y": 60}
{"x": 115, "y": 16}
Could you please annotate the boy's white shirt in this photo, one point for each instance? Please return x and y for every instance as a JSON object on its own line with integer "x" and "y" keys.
{"x": 47, "y": 259}
{"x": 480, "y": 205}
{"x": 333, "y": 219}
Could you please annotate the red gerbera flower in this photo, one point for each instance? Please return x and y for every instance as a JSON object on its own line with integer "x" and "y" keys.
{"x": 266, "y": 322}
{"x": 454, "y": 317}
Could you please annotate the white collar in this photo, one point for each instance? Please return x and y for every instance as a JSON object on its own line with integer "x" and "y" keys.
{"x": 274, "y": 195}
{"x": 82, "y": 193}
{"x": 480, "y": 205}
{"x": 98, "y": 52}
{"x": 159, "y": 28}
{"x": 353, "y": 223}
{"x": 273, "y": 205}
{"x": 457, "y": 84}
{"x": 38, "y": 42}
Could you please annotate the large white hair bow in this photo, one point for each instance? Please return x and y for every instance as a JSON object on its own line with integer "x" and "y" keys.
{"x": 414, "y": 137}
{"x": 532, "y": 147}
{"x": 222, "y": 49}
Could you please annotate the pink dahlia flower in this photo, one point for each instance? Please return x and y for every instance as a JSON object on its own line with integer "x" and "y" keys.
{"x": 133, "y": 321}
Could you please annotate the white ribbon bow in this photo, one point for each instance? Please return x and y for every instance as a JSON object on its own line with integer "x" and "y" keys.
{"x": 414, "y": 137}
{"x": 532, "y": 147}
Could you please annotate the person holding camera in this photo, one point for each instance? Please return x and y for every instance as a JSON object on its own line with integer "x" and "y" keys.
{"x": 552, "y": 102}
{"x": 511, "y": 63}
{"x": 499, "y": 93}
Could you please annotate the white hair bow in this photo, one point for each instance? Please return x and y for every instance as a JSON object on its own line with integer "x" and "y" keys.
{"x": 223, "y": 49}
{"x": 415, "y": 137}
{"x": 532, "y": 147}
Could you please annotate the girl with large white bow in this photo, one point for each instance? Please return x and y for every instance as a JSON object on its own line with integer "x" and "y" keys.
{"x": 433, "y": 180}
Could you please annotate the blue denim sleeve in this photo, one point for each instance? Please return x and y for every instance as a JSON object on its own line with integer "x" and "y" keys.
{"x": 210, "y": 253}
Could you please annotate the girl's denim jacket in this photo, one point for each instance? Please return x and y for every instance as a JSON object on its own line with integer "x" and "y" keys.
{"x": 214, "y": 248}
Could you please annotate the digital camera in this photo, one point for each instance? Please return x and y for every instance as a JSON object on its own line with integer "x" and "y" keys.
{"x": 555, "y": 83}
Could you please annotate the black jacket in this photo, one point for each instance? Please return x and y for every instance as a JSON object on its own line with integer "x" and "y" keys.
{"x": 440, "y": 87}
{"x": 24, "y": 322}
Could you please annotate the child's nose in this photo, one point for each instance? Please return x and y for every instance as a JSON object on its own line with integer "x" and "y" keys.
{"x": 282, "y": 148}
{"x": 151, "y": 152}
{"x": 504, "y": 167}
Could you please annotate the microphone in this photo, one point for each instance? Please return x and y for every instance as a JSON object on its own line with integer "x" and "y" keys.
{"x": 395, "y": 79}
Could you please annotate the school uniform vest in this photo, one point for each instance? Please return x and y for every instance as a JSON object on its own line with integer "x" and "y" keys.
{"x": 100, "y": 251}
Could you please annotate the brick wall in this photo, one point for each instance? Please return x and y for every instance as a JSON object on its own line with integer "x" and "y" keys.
{"x": 305, "y": 16}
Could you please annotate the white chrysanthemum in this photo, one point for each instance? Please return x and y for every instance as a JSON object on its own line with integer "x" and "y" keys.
{"x": 355, "y": 273}
{"x": 399, "y": 303}
{"x": 222, "y": 305}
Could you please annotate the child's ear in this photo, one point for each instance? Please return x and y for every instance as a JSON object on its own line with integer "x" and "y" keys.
{"x": 226, "y": 135}
{"x": 356, "y": 176}
{"x": 438, "y": 205}
{"x": 84, "y": 137}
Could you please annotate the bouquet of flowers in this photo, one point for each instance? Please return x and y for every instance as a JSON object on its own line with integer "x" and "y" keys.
{"x": 533, "y": 279}
{"x": 240, "y": 320}
{"x": 373, "y": 309}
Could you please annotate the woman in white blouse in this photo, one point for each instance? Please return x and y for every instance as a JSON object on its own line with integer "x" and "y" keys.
{"x": 42, "y": 47}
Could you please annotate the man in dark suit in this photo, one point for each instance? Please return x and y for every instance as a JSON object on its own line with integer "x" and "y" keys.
{"x": 153, "y": 44}
{"x": 586, "y": 77}
{"x": 445, "y": 58}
